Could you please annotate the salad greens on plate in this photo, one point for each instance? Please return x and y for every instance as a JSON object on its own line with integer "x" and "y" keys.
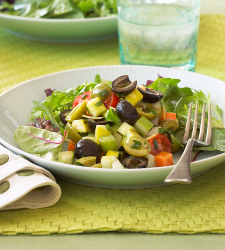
{"x": 65, "y": 9}
{"x": 116, "y": 124}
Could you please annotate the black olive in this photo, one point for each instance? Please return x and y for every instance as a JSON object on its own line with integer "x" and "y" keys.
{"x": 63, "y": 115}
{"x": 123, "y": 86}
{"x": 87, "y": 147}
{"x": 126, "y": 112}
{"x": 93, "y": 123}
{"x": 135, "y": 162}
{"x": 151, "y": 95}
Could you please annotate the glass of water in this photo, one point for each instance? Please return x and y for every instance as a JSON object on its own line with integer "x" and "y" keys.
{"x": 159, "y": 32}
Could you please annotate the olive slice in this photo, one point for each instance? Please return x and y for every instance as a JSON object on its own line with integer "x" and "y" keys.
{"x": 151, "y": 95}
{"x": 123, "y": 86}
{"x": 135, "y": 162}
{"x": 93, "y": 123}
{"x": 63, "y": 115}
{"x": 126, "y": 112}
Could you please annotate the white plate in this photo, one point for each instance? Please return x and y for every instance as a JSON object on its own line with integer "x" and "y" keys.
{"x": 16, "y": 104}
{"x": 60, "y": 30}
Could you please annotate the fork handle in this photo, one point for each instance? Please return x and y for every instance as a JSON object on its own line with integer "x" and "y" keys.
{"x": 181, "y": 172}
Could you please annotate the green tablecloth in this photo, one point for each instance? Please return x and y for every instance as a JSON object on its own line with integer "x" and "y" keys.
{"x": 184, "y": 209}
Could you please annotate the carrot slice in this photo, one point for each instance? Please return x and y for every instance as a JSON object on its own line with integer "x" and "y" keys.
{"x": 168, "y": 116}
{"x": 164, "y": 159}
{"x": 71, "y": 146}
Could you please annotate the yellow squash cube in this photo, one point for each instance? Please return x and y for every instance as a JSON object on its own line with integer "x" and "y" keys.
{"x": 96, "y": 107}
{"x": 135, "y": 97}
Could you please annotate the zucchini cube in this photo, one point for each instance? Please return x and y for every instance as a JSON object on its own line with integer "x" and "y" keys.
{"x": 143, "y": 125}
{"x": 125, "y": 128}
{"x": 113, "y": 153}
{"x": 108, "y": 143}
{"x": 81, "y": 126}
{"x": 101, "y": 130}
{"x": 96, "y": 107}
{"x": 107, "y": 161}
{"x": 135, "y": 97}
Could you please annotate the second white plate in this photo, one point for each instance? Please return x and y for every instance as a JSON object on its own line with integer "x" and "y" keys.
{"x": 60, "y": 30}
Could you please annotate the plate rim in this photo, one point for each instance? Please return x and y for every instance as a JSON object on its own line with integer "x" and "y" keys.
{"x": 56, "y": 20}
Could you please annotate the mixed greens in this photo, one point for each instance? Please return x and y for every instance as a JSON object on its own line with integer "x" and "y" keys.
{"x": 65, "y": 9}
{"x": 116, "y": 124}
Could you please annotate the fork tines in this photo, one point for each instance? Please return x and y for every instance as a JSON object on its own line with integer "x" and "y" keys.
{"x": 202, "y": 126}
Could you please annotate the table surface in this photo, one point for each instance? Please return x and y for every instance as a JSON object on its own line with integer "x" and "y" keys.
{"x": 115, "y": 240}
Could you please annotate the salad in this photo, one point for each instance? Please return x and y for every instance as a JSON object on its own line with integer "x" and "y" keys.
{"x": 115, "y": 124}
{"x": 59, "y": 8}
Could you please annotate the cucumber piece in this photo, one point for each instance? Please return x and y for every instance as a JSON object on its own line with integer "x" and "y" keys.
{"x": 143, "y": 125}
{"x": 66, "y": 157}
{"x": 117, "y": 165}
{"x": 81, "y": 126}
{"x": 107, "y": 161}
{"x": 96, "y": 107}
{"x": 135, "y": 97}
{"x": 125, "y": 128}
{"x": 88, "y": 161}
{"x": 108, "y": 143}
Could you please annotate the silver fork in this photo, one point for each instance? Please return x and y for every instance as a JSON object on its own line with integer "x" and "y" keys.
{"x": 181, "y": 172}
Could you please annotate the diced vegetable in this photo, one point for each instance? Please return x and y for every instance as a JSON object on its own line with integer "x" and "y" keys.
{"x": 134, "y": 97}
{"x": 101, "y": 130}
{"x": 118, "y": 138}
{"x": 87, "y": 161}
{"x": 107, "y": 143}
{"x": 90, "y": 138}
{"x": 66, "y": 157}
{"x": 72, "y": 134}
{"x": 125, "y": 128}
{"x": 71, "y": 146}
{"x": 168, "y": 116}
{"x": 113, "y": 153}
{"x": 117, "y": 165}
{"x": 77, "y": 112}
{"x": 151, "y": 161}
{"x": 154, "y": 131}
{"x": 164, "y": 159}
{"x": 107, "y": 161}
{"x": 143, "y": 125}
{"x": 99, "y": 165}
{"x": 81, "y": 126}
{"x": 115, "y": 127}
{"x": 95, "y": 107}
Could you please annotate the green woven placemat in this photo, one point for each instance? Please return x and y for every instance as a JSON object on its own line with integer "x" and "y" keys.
{"x": 195, "y": 208}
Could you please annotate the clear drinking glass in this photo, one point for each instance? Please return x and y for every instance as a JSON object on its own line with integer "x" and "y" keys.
{"x": 159, "y": 32}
